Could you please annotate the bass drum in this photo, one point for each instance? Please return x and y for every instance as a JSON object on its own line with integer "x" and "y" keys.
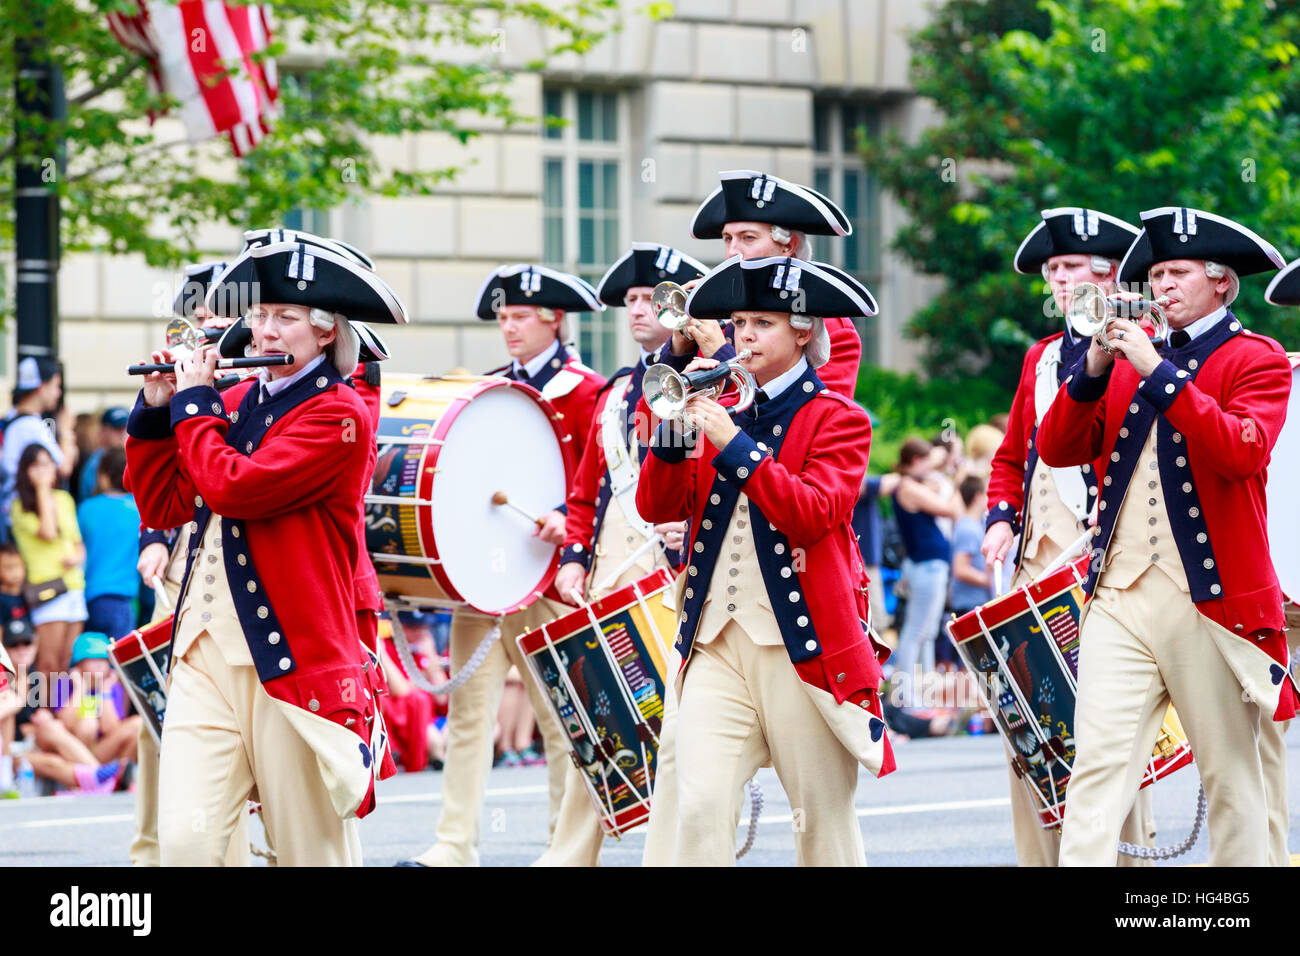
{"x": 464, "y": 463}
{"x": 1283, "y": 503}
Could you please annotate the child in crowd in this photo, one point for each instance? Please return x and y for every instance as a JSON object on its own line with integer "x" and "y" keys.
{"x": 971, "y": 580}
{"x": 19, "y": 641}
{"x": 110, "y": 524}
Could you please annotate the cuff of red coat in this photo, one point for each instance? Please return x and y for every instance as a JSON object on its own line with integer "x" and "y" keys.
{"x": 1162, "y": 386}
{"x": 670, "y": 445}
{"x": 195, "y": 402}
{"x": 738, "y": 460}
{"x": 149, "y": 423}
{"x": 1002, "y": 511}
{"x": 150, "y": 536}
{"x": 1081, "y": 386}
{"x": 576, "y": 553}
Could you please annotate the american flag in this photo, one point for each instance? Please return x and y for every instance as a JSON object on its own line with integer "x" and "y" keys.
{"x": 201, "y": 53}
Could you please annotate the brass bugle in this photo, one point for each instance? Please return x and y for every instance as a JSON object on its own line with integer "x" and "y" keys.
{"x": 255, "y": 361}
{"x": 1091, "y": 311}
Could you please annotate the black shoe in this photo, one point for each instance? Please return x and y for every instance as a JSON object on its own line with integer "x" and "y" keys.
{"x": 410, "y": 863}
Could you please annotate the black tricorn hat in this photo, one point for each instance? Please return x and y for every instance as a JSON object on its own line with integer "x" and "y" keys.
{"x": 525, "y": 284}
{"x": 1285, "y": 287}
{"x": 1073, "y": 230}
{"x": 266, "y": 237}
{"x": 647, "y": 264}
{"x": 198, "y": 278}
{"x": 746, "y": 195}
{"x": 779, "y": 284}
{"x": 1177, "y": 232}
{"x": 301, "y": 273}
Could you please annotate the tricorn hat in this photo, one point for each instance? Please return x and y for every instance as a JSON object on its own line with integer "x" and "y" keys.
{"x": 746, "y": 195}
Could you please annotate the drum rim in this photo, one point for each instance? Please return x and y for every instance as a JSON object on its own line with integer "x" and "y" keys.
{"x": 1011, "y": 605}
{"x": 142, "y": 640}
{"x": 569, "y": 623}
{"x": 428, "y": 479}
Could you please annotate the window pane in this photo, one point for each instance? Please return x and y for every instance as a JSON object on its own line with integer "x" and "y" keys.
{"x": 553, "y": 105}
{"x": 851, "y": 207}
{"x": 822, "y": 247}
{"x": 586, "y": 184}
{"x": 586, "y": 117}
{"x": 553, "y": 186}
{"x": 610, "y": 177}
{"x": 609, "y": 107}
{"x": 586, "y": 239}
{"x": 553, "y": 240}
{"x": 821, "y": 127}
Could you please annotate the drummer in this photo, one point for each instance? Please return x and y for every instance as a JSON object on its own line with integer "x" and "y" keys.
{"x": 1051, "y": 507}
{"x": 1185, "y": 604}
{"x": 530, "y": 304}
{"x": 756, "y": 214}
{"x": 266, "y": 660}
{"x": 607, "y": 545}
{"x": 1284, "y": 290}
{"x": 779, "y": 665}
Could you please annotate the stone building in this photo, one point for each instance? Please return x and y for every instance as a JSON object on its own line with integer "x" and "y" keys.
{"x": 652, "y": 115}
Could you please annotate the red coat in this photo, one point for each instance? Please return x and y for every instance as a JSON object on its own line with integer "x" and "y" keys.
{"x": 807, "y": 491}
{"x": 1224, "y": 414}
{"x": 1016, "y": 457}
{"x": 369, "y": 599}
{"x": 295, "y": 499}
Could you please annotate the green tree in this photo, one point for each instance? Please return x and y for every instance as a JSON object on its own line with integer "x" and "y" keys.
{"x": 390, "y": 67}
{"x": 1119, "y": 105}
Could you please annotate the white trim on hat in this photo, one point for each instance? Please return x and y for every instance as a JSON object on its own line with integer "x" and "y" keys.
{"x": 1278, "y": 279}
{"x": 279, "y": 235}
{"x": 342, "y": 260}
{"x": 367, "y": 336}
{"x": 802, "y": 192}
{"x": 818, "y": 269}
{"x": 1073, "y": 210}
{"x": 1269, "y": 250}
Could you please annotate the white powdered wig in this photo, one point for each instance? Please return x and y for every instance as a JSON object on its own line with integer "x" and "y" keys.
{"x": 818, "y": 349}
{"x": 1217, "y": 270}
{"x": 1099, "y": 265}
{"x": 345, "y": 350}
{"x": 802, "y": 249}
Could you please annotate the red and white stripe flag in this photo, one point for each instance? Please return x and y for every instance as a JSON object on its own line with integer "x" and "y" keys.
{"x": 201, "y": 53}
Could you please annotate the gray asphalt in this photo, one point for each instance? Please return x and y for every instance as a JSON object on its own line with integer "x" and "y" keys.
{"x": 946, "y": 806}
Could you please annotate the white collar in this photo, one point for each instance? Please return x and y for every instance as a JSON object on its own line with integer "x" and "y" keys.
{"x": 538, "y": 362}
{"x": 647, "y": 358}
{"x": 783, "y": 381}
{"x": 274, "y": 386}
{"x": 1206, "y": 322}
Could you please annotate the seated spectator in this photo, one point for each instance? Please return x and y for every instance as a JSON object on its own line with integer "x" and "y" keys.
{"x": 410, "y": 712}
{"x": 19, "y": 642}
{"x": 46, "y": 532}
{"x": 13, "y": 577}
{"x": 112, "y": 434}
{"x": 516, "y": 725}
{"x": 109, "y": 522}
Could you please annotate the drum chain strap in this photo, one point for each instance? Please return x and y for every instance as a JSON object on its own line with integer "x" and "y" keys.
{"x": 1169, "y": 852}
{"x": 460, "y": 677}
{"x": 755, "y": 809}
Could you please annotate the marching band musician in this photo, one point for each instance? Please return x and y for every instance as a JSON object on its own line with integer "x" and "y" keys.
{"x": 756, "y": 215}
{"x": 270, "y": 689}
{"x": 530, "y": 304}
{"x": 1284, "y": 290}
{"x": 604, "y": 531}
{"x": 1185, "y": 603}
{"x": 778, "y": 662}
{"x": 1051, "y": 507}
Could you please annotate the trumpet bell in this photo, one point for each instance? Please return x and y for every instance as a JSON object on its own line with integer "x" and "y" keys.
{"x": 665, "y": 391}
{"x": 1089, "y": 310}
{"x": 181, "y": 333}
{"x": 669, "y": 303}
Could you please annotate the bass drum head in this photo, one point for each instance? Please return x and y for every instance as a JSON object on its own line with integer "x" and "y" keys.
{"x": 501, "y": 440}
{"x": 1283, "y": 502}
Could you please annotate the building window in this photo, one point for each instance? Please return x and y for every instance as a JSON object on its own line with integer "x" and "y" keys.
{"x": 838, "y": 172}
{"x": 583, "y": 198}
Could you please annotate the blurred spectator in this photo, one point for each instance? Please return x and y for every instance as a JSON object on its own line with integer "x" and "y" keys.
{"x": 981, "y": 445}
{"x": 45, "y": 530}
{"x": 516, "y": 725}
{"x": 85, "y": 431}
{"x": 112, "y": 434}
{"x": 89, "y": 743}
{"x": 110, "y": 524}
{"x": 414, "y": 717}
{"x": 867, "y": 525}
{"x": 917, "y": 509}
{"x": 13, "y": 576}
{"x": 37, "y": 396}
{"x": 1000, "y": 421}
{"x": 15, "y": 715}
{"x": 971, "y": 581}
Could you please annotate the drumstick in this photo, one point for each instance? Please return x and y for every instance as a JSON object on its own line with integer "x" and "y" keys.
{"x": 161, "y": 592}
{"x": 997, "y": 578}
{"x": 1068, "y": 553}
{"x": 501, "y": 498}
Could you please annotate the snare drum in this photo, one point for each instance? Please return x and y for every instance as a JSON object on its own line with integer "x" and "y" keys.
{"x": 603, "y": 668}
{"x": 141, "y": 659}
{"x": 1023, "y": 649}
{"x": 446, "y": 446}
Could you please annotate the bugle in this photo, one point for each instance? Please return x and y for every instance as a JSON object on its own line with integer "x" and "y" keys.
{"x": 1091, "y": 311}
{"x": 667, "y": 391}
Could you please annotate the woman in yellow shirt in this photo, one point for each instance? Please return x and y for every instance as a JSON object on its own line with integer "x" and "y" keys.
{"x": 44, "y": 521}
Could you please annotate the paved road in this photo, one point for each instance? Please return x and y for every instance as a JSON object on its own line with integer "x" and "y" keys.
{"x": 947, "y": 805}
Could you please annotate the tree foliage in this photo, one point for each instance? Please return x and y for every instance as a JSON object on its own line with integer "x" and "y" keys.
{"x": 389, "y": 67}
{"x": 1118, "y": 105}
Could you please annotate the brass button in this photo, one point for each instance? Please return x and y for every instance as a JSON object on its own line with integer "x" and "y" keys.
{"x": 207, "y": 598}
{"x": 209, "y": 578}
{"x": 322, "y": 382}
{"x": 263, "y": 612}
{"x": 731, "y": 608}
{"x": 285, "y": 663}
{"x": 252, "y": 587}
{"x": 198, "y": 501}
{"x": 234, "y": 530}
{"x": 205, "y": 616}
{"x": 733, "y": 572}
{"x": 242, "y": 559}
{"x": 273, "y": 637}
{"x": 731, "y": 589}
{"x": 269, "y": 419}
{"x": 248, "y": 446}
{"x": 313, "y": 704}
